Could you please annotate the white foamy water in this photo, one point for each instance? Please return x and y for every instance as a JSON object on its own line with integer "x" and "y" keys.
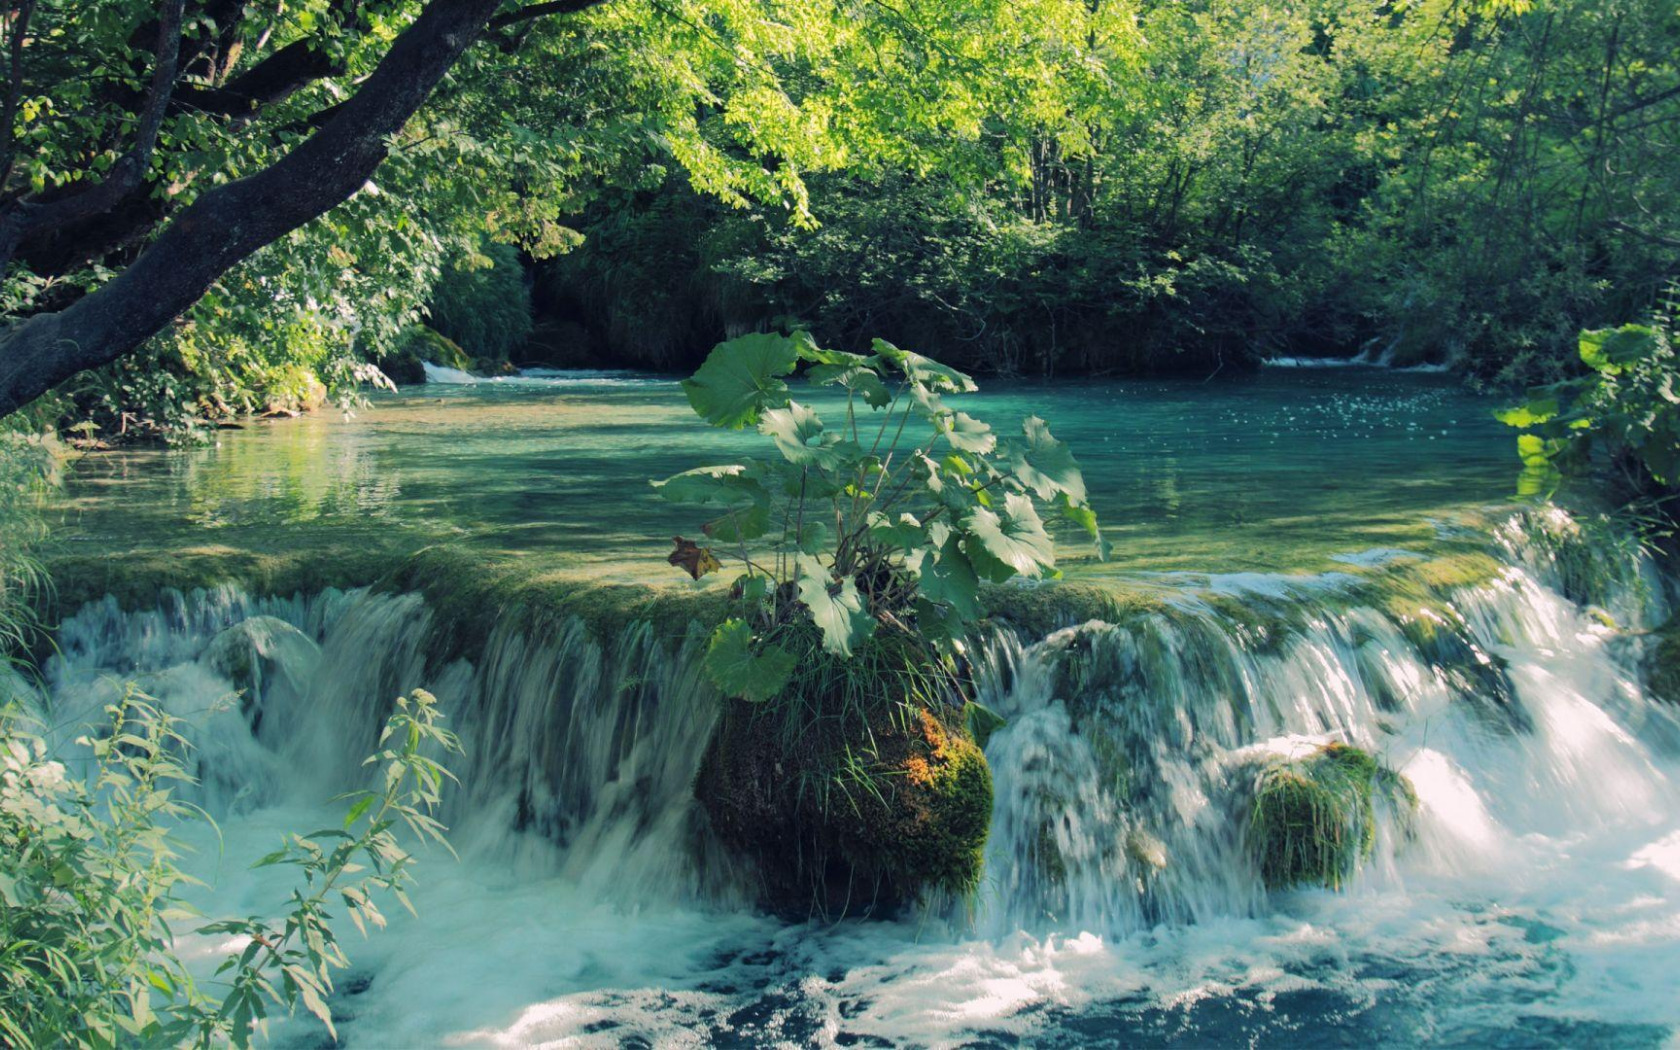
{"x": 1535, "y": 899}
{"x": 554, "y": 378}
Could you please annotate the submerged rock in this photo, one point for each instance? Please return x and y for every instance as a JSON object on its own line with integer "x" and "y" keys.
{"x": 1314, "y": 820}
{"x": 851, "y": 815}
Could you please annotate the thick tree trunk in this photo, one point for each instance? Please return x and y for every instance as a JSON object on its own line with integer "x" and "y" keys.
{"x": 229, "y": 223}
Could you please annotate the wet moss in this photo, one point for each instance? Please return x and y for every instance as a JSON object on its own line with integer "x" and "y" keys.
{"x": 1038, "y": 610}
{"x": 419, "y": 346}
{"x": 136, "y": 578}
{"x": 1314, "y": 820}
{"x": 855, "y": 791}
{"x": 471, "y": 593}
{"x": 1662, "y": 662}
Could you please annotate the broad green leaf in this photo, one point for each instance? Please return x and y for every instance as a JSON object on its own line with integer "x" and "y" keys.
{"x": 813, "y": 537}
{"x": 901, "y": 532}
{"x": 836, "y": 607}
{"x": 948, "y": 577}
{"x": 1535, "y": 412}
{"x": 1007, "y": 543}
{"x": 733, "y": 487}
{"x": 926, "y": 371}
{"x": 741, "y": 378}
{"x": 860, "y": 379}
{"x": 1608, "y": 350}
{"x": 1532, "y": 449}
{"x": 724, "y": 486}
{"x": 967, "y": 434}
{"x": 737, "y": 669}
{"x": 800, "y": 437}
{"x": 1045, "y": 465}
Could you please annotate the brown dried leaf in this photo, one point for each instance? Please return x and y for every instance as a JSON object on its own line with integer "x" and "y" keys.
{"x": 692, "y": 558}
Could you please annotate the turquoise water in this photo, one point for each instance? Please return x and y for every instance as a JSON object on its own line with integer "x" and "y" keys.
{"x": 1277, "y": 472}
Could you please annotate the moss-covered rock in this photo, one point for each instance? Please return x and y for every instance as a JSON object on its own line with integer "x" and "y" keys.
{"x": 418, "y": 347}
{"x": 1662, "y": 662}
{"x": 849, "y": 811}
{"x": 1314, "y": 820}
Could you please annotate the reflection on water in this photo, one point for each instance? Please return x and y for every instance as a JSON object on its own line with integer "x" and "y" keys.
{"x": 1278, "y": 471}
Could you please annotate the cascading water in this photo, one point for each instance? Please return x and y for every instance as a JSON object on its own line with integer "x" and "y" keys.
{"x": 1530, "y": 899}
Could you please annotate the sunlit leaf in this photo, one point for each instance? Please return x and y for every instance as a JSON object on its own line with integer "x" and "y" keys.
{"x": 1007, "y": 542}
{"x": 836, "y": 607}
{"x": 741, "y": 378}
{"x": 740, "y": 669}
{"x": 1045, "y": 465}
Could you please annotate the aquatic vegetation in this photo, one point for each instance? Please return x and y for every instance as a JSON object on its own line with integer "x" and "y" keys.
{"x": 1315, "y": 819}
{"x": 91, "y": 887}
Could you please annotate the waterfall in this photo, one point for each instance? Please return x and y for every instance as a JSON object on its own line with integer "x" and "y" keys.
{"x": 1547, "y": 790}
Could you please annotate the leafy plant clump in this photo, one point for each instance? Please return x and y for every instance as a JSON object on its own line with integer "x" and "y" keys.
{"x": 1314, "y": 820}
{"x": 888, "y": 521}
{"x": 1626, "y": 405}
{"x": 89, "y": 885}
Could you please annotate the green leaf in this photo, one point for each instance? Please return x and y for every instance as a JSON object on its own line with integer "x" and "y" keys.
{"x": 1045, "y": 465}
{"x": 836, "y": 607}
{"x": 733, "y": 487}
{"x": 859, "y": 378}
{"x": 1535, "y": 412}
{"x": 1005, "y": 544}
{"x": 739, "y": 670}
{"x": 924, "y": 370}
{"x": 903, "y": 532}
{"x": 1608, "y": 350}
{"x": 1085, "y": 518}
{"x": 812, "y": 538}
{"x": 740, "y": 379}
{"x": 799, "y": 435}
{"x": 967, "y": 434}
{"x": 948, "y": 577}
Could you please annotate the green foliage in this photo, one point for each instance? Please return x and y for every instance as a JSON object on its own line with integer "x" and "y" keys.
{"x": 483, "y": 303}
{"x": 889, "y": 519}
{"x": 90, "y": 885}
{"x": 1627, "y": 405}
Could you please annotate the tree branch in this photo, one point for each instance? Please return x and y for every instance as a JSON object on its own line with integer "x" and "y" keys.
{"x": 530, "y": 11}
{"x": 1644, "y": 235}
{"x": 26, "y": 216}
{"x": 19, "y": 26}
{"x": 227, "y": 224}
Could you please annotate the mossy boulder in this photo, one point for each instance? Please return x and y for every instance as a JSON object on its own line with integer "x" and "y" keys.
{"x": 848, "y": 814}
{"x": 1314, "y": 820}
{"x": 418, "y": 347}
{"x": 1662, "y": 662}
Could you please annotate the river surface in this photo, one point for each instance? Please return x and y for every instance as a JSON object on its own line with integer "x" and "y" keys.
{"x": 1281, "y": 471}
{"x": 1534, "y": 901}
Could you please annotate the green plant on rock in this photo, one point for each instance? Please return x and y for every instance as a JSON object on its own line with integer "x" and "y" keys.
{"x": 1315, "y": 819}
{"x": 889, "y": 520}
